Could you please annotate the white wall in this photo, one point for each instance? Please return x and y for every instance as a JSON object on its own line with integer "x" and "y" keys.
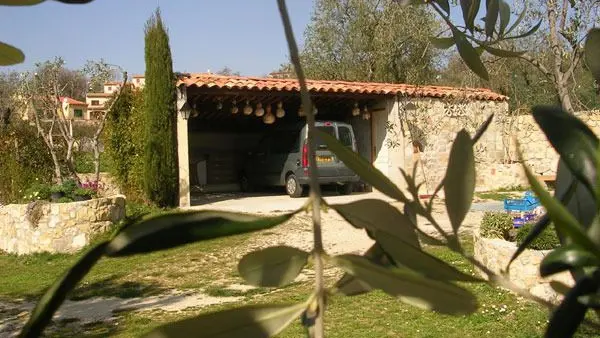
{"x": 388, "y": 146}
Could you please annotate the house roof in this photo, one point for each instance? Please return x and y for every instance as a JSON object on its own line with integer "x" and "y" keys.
{"x": 112, "y": 83}
{"x": 72, "y": 101}
{"x": 204, "y": 80}
{"x": 138, "y": 76}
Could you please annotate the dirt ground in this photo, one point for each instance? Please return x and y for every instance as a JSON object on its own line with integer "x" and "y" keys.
{"x": 338, "y": 236}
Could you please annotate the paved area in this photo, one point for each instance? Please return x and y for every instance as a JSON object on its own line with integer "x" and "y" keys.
{"x": 269, "y": 202}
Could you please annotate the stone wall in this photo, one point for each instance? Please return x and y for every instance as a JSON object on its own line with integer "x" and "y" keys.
{"x": 109, "y": 184}
{"x": 540, "y": 156}
{"x": 495, "y": 254}
{"x": 430, "y": 126}
{"x": 56, "y": 227}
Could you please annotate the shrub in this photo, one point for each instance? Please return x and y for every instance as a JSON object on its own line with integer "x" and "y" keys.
{"x": 37, "y": 192}
{"x": 84, "y": 162}
{"x": 85, "y": 192}
{"x": 496, "y": 225}
{"x": 68, "y": 187}
{"x": 124, "y": 143}
{"x": 65, "y": 199}
{"x": 547, "y": 240}
{"x": 24, "y": 161}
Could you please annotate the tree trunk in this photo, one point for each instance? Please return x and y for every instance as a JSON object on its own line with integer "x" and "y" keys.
{"x": 560, "y": 78}
{"x": 96, "y": 160}
{"x": 57, "y": 173}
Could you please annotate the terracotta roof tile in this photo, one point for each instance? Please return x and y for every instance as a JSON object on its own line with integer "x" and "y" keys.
{"x": 72, "y": 101}
{"x": 204, "y": 80}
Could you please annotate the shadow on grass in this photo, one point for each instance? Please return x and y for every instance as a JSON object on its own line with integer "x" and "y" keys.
{"x": 112, "y": 287}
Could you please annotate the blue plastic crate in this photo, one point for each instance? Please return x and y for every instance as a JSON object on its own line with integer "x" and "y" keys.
{"x": 528, "y": 203}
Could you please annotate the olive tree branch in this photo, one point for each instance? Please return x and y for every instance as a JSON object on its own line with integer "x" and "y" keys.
{"x": 315, "y": 192}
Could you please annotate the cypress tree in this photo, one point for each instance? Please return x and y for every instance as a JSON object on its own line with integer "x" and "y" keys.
{"x": 160, "y": 155}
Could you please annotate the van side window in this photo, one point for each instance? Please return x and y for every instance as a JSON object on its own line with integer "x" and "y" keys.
{"x": 285, "y": 142}
{"x": 345, "y": 136}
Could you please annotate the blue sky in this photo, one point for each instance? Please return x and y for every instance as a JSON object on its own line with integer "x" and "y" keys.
{"x": 245, "y": 35}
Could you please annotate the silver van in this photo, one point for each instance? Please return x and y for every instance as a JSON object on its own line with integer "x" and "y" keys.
{"x": 281, "y": 159}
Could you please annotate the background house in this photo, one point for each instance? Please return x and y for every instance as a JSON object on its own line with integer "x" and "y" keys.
{"x": 97, "y": 101}
{"x": 74, "y": 109}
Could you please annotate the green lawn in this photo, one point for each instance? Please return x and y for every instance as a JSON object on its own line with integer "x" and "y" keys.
{"x": 209, "y": 265}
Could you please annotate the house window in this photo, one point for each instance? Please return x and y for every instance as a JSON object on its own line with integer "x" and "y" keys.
{"x": 78, "y": 113}
{"x": 95, "y": 102}
{"x": 109, "y": 88}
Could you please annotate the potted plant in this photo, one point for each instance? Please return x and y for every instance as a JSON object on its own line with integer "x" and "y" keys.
{"x": 83, "y": 194}
{"x": 56, "y": 193}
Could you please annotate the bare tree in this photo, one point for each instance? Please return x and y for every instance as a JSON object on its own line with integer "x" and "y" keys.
{"x": 41, "y": 92}
{"x": 552, "y": 40}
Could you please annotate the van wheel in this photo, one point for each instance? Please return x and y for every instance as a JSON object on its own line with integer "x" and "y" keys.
{"x": 347, "y": 189}
{"x": 292, "y": 187}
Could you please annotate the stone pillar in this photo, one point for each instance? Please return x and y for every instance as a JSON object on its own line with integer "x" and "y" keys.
{"x": 183, "y": 113}
{"x": 396, "y": 153}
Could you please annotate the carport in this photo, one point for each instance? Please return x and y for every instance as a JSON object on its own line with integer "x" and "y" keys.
{"x": 224, "y": 117}
{"x": 221, "y": 118}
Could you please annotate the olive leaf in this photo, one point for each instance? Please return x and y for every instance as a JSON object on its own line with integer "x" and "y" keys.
{"x": 57, "y": 293}
{"x": 574, "y": 141}
{"x": 567, "y": 257}
{"x": 412, "y": 257}
{"x": 378, "y": 215}
{"x": 470, "y": 8}
{"x": 528, "y": 33}
{"x": 459, "y": 181}
{"x": 519, "y": 19}
{"x": 20, "y": 2}
{"x": 410, "y": 287}
{"x": 349, "y": 285}
{"x": 175, "y": 229}
{"x": 491, "y": 17}
{"x": 559, "y": 287}
{"x": 10, "y": 55}
{"x": 442, "y": 43}
{"x": 272, "y": 267}
{"x": 567, "y": 317}
{"x": 502, "y": 52}
{"x": 560, "y": 216}
{"x": 592, "y": 52}
{"x": 469, "y": 55}
{"x": 261, "y": 321}
{"x": 504, "y": 16}
{"x": 361, "y": 167}
{"x": 444, "y": 4}
{"x": 482, "y": 128}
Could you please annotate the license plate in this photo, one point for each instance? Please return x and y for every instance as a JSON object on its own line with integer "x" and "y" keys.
{"x": 325, "y": 159}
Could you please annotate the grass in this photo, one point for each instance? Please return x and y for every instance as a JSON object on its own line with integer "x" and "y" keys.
{"x": 493, "y": 195}
{"x": 208, "y": 266}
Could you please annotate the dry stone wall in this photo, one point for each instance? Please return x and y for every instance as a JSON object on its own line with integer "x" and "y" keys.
{"x": 56, "y": 227}
{"x": 540, "y": 156}
{"x": 109, "y": 186}
{"x": 430, "y": 126}
{"x": 495, "y": 254}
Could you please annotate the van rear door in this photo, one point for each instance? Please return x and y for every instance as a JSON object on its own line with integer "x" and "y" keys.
{"x": 346, "y": 138}
{"x": 326, "y": 160}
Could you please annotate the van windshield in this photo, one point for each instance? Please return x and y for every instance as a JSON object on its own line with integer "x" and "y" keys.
{"x": 327, "y": 129}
